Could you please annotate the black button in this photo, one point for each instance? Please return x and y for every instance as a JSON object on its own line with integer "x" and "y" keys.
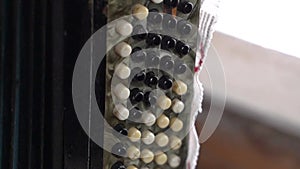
{"x": 140, "y": 76}
{"x": 136, "y": 95}
{"x": 151, "y": 79}
{"x": 152, "y": 59}
{"x": 165, "y": 82}
{"x": 171, "y": 3}
{"x": 118, "y": 165}
{"x": 183, "y": 27}
{"x": 168, "y": 43}
{"x": 137, "y": 74}
{"x": 135, "y": 114}
{"x": 182, "y": 48}
{"x": 166, "y": 63}
{"x": 135, "y": 49}
{"x": 179, "y": 67}
{"x": 185, "y": 7}
{"x": 137, "y": 55}
{"x": 149, "y": 99}
{"x": 153, "y": 39}
{"x": 139, "y": 33}
{"x": 154, "y": 18}
{"x": 121, "y": 129}
{"x": 169, "y": 22}
{"x": 119, "y": 150}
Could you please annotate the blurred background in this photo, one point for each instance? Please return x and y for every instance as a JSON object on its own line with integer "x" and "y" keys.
{"x": 256, "y": 42}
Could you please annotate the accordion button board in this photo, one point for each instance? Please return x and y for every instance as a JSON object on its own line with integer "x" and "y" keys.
{"x": 149, "y": 82}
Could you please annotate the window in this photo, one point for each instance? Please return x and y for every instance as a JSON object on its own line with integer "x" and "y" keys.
{"x": 268, "y": 23}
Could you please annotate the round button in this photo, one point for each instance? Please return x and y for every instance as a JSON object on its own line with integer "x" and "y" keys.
{"x": 132, "y": 167}
{"x": 119, "y": 150}
{"x": 118, "y": 165}
{"x": 175, "y": 142}
{"x": 182, "y": 48}
{"x": 174, "y": 161}
{"x": 123, "y": 49}
{"x": 168, "y": 43}
{"x": 184, "y": 28}
{"x": 152, "y": 59}
{"x": 164, "y": 102}
{"x": 140, "y": 11}
{"x": 166, "y": 63}
{"x": 138, "y": 74}
{"x": 165, "y": 82}
{"x": 148, "y": 137}
{"x": 185, "y": 7}
{"x": 136, "y": 95}
{"x": 124, "y": 28}
{"x": 179, "y": 67}
{"x": 169, "y": 22}
{"x": 177, "y": 106}
{"x": 121, "y": 91}
{"x": 149, "y": 99}
{"x": 157, "y": 1}
{"x": 154, "y": 17}
{"x": 151, "y": 79}
{"x": 134, "y": 134}
{"x": 162, "y": 121}
{"x": 161, "y": 158}
{"x": 176, "y": 124}
{"x": 137, "y": 55}
{"x": 122, "y": 71}
{"x": 139, "y": 32}
{"x": 133, "y": 153}
{"x": 148, "y": 118}
{"x": 161, "y": 139}
{"x": 171, "y": 3}
{"x": 135, "y": 114}
{"x": 179, "y": 87}
{"x": 153, "y": 39}
{"x": 147, "y": 156}
{"x": 121, "y": 112}
{"x": 121, "y": 129}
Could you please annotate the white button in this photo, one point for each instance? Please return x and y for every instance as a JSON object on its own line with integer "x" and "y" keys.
{"x": 121, "y": 91}
{"x": 174, "y": 161}
{"x": 134, "y": 134}
{"x": 148, "y": 137}
{"x": 147, "y": 156}
{"x": 123, "y": 49}
{"x": 131, "y": 167}
{"x": 140, "y": 11}
{"x": 157, "y": 1}
{"x": 177, "y": 106}
{"x": 161, "y": 158}
{"x": 121, "y": 112}
{"x": 133, "y": 153}
{"x": 162, "y": 121}
{"x": 122, "y": 71}
{"x": 164, "y": 102}
{"x": 175, "y": 142}
{"x": 176, "y": 124}
{"x": 148, "y": 118}
{"x": 161, "y": 139}
{"x": 124, "y": 28}
{"x": 179, "y": 87}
